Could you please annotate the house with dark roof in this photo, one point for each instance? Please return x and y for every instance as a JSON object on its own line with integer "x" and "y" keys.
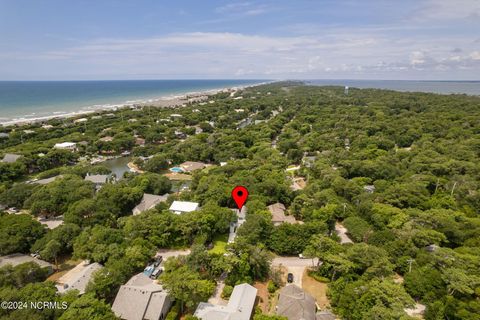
{"x": 296, "y": 304}
{"x": 148, "y": 202}
{"x": 141, "y": 298}
{"x": 239, "y": 307}
{"x": 10, "y": 158}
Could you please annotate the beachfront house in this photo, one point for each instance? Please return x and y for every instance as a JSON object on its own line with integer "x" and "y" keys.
{"x": 78, "y": 278}
{"x": 10, "y": 158}
{"x": 72, "y": 146}
{"x": 295, "y": 304}
{"x": 179, "y": 207}
{"x": 141, "y": 298}
{"x": 18, "y": 258}
{"x": 239, "y": 307}
{"x": 148, "y": 202}
{"x": 81, "y": 120}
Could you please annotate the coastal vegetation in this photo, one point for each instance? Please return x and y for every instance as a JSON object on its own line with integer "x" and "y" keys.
{"x": 400, "y": 171}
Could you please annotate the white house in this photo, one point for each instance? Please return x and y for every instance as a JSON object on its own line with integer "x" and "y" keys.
{"x": 179, "y": 207}
{"x": 66, "y": 146}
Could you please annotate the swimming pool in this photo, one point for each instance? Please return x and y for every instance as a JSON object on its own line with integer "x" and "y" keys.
{"x": 176, "y": 169}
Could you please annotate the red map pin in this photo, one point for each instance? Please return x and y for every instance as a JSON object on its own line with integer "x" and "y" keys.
{"x": 240, "y": 195}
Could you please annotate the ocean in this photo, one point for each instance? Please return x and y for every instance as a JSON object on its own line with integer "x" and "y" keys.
{"x": 23, "y": 100}
{"x": 36, "y": 99}
{"x": 442, "y": 87}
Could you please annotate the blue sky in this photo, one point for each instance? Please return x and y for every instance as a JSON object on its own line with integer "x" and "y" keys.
{"x": 301, "y": 39}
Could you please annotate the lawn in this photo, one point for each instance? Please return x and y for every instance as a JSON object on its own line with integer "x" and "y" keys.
{"x": 317, "y": 289}
{"x": 219, "y": 244}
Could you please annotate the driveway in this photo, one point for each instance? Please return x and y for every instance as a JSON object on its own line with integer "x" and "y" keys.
{"x": 295, "y": 266}
{"x": 342, "y": 233}
{"x": 166, "y": 253}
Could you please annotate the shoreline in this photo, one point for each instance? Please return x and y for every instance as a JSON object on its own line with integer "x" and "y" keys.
{"x": 165, "y": 101}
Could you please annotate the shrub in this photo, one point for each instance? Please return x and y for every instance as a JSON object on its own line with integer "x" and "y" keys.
{"x": 271, "y": 287}
{"x": 227, "y": 291}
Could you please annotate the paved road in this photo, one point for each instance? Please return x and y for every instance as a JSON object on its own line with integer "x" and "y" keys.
{"x": 294, "y": 265}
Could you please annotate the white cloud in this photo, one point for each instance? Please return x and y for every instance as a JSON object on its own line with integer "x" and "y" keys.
{"x": 338, "y": 52}
{"x": 449, "y": 10}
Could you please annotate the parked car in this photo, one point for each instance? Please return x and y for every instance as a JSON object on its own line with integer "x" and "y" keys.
{"x": 290, "y": 278}
{"x": 158, "y": 260}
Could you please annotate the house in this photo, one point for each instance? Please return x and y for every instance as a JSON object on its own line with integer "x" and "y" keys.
{"x": 10, "y": 158}
{"x": 72, "y": 146}
{"x": 295, "y": 304}
{"x": 47, "y": 126}
{"x": 239, "y": 307}
{"x": 81, "y": 120}
{"x": 98, "y": 179}
{"x": 179, "y": 207}
{"x": 133, "y": 120}
{"x": 148, "y": 202}
{"x": 308, "y": 161}
{"x": 78, "y": 278}
{"x": 369, "y": 188}
{"x": 141, "y": 298}
{"x": 180, "y": 134}
{"x": 241, "y": 218}
{"x": 106, "y": 139}
{"x": 18, "y": 258}
{"x": 28, "y": 131}
{"x": 139, "y": 141}
{"x": 4, "y": 135}
{"x": 190, "y": 166}
{"x": 325, "y": 315}
{"x": 278, "y": 214}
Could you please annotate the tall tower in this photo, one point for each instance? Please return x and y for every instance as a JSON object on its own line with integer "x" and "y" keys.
{"x": 346, "y": 90}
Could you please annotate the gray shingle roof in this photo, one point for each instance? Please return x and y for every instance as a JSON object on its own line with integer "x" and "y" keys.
{"x": 10, "y": 158}
{"x": 296, "y": 304}
{"x": 325, "y": 315}
{"x": 97, "y": 178}
{"x": 141, "y": 298}
{"x": 148, "y": 202}
{"x": 239, "y": 307}
{"x": 19, "y": 258}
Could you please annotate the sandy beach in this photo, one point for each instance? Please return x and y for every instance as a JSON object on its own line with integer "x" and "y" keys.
{"x": 162, "y": 102}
